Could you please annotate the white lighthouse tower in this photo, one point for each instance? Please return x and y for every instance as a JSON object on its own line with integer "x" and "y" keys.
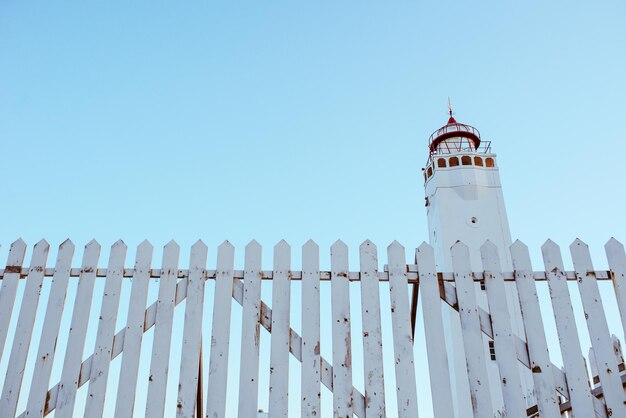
{"x": 464, "y": 202}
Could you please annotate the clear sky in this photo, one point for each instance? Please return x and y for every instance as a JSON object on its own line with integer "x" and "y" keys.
{"x": 298, "y": 120}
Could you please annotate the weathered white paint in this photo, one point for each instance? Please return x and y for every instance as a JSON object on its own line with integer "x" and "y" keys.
{"x": 23, "y": 331}
{"x": 601, "y": 342}
{"x": 192, "y": 333}
{"x": 164, "y": 317}
{"x": 279, "y": 355}
{"x": 133, "y": 332}
{"x": 70, "y": 375}
{"x": 342, "y": 342}
{"x": 617, "y": 262}
{"x": 406, "y": 384}
{"x": 372, "y": 333}
{"x": 9, "y": 287}
{"x": 220, "y": 339}
{"x": 101, "y": 357}
{"x": 504, "y": 343}
{"x": 310, "y": 376}
{"x": 433, "y": 329}
{"x": 250, "y": 332}
{"x": 540, "y": 364}
{"x": 50, "y": 330}
{"x": 573, "y": 360}
{"x": 472, "y": 337}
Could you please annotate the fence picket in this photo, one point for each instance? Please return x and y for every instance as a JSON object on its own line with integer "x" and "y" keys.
{"x": 66, "y": 395}
{"x": 250, "y": 332}
{"x": 310, "y": 377}
{"x": 540, "y": 364}
{"x": 9, "y": 287}
{"x": 52, "y": 322}
{"x": 134, "y": 330}
{"x": 372, "y": 333}
{"x": 279, "y": 354}
{"x": 573, "y": 360}
{"x": 608, "y": 371}
{"x": 504, "y": 343}
{"x": 342, "y": 349}
{"x": 440, "y": 384}
{"x": 220, "y": 339}
{"x": 24, "y": 331}
{"x": 192, "y": 333}
{"x": 101, "y": 357}
{"x": 160, "y": 358}
{"x": 617, "y": 263}
{"x": 470, "y": 326}
{"x": 402, "y": 333}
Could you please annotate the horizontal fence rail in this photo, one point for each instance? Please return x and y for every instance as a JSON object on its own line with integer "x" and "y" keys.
{"x": 163, "y": 342}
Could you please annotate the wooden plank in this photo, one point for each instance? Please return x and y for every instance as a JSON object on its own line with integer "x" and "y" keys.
{"x": 250, "y": 332}
{"x": 438, "y": 366}
{"x": 310, "y": 376}
{"x": 573, "y": 360}
{"x": 9, "y": 288}
{"x": 504, "y": 344}
{"x": 608, "y": 371}
{"x": 617, "y": 262}
{"x": 133, "y": 332}
{"x": 192, "y": 333}
{"x": 24, "y": 331}
{"x": 406, "y": 387}
{"x": 49, "y": 333}
{"x": 279, "y": 354}
{"x": 101, "y": 357}
{"x": 470, "y": 327}
{"x": 342, "y": 342}
{"x": 295, "y": 346}
{"x": 220, "y": 339}
{"x": 372, "y": 332}
{"x": 159, "y": 362}
{"x": 66, "y": 395}
{"x": 540, "y": 364}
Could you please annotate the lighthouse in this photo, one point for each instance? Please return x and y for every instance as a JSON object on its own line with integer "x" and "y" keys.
{"x": 464, "y": 202}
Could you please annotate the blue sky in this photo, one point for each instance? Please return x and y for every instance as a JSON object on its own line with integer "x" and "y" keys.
{"x": 296, "y": 120}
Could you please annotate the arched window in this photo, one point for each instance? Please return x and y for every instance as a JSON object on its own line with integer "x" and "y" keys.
{"x": 430, "y": 171}
{"x": 489, "y": 162}
{"x": 441, "y": 163}
{"x": 478, "y": 161}
{"x": 454, "y": 161}
{"x": 466, "y": 160}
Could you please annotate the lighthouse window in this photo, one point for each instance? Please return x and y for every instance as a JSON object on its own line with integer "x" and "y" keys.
{"x": 478, "y": 161}
{"x": 489, "y": 162}
{"x": 466, "y": 160}
{"x": 454, "y": 161}
{"x": 441, "y": 162}
{"x": 430, "y": 171}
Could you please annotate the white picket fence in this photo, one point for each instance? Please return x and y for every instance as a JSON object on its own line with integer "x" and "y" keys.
{"x": 557, "y": 391}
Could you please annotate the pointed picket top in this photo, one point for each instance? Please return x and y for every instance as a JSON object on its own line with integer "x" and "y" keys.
{"x": 282, "y": 246}
{"x": 489, "y": 254}
{"x": 338, "y": 247}
{"x": 253, "y": 246}
{"x": 614, "y": 245}
{"x": 460, "y": 252}
{"x": 459, "y": 246}
{"x": 119, "y": 245}
{"x": 42, "y": 242}
{"x": 66, "y": 245}
{"x": 519, "y": 247}
{"x": 552, "y": 255}
{"x": 310, "y": 245}
{"x": 226, "y": 245}
{"x": 425, "y": 248}
{"x": 92, "y": 244}
{"x": 145, "y": 245}
{"x": 200, "y": 245}
{"x": 367, "y": 244}
{"x": 199, "y": 252}
{"x": 520, "y": 256}
{"x": 172, "y": 246}
{"x": 16, "y": 253}
{"x": 40, "y": 255}
{"x": 581, "y": 257}
{"x": 425, "y": 260}
{"x": 395, "y": 245}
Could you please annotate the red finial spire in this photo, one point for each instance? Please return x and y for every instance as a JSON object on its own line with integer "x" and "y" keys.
{"x": 451, "y": 120}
